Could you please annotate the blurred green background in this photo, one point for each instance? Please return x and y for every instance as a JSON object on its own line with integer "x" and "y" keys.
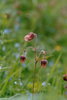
{"x": 46, "y": 18}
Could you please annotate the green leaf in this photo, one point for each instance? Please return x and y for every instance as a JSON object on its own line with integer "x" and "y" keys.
{"x": 52, "y": 70}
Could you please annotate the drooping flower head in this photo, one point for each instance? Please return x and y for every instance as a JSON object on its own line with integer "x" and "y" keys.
{"x": 65, "y": 77}
{"x": 22, "y": 58}
{"x": 43, "y": 63}
{"x": 29, "y": 37}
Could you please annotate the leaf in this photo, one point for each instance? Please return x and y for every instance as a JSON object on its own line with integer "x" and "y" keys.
{"x": 6, "y": 41}
{"x": 7, "y": 54}
{"x": 13, "y": 67}
{"x": 52, "y": 70}
{"x": 45, "y": 57}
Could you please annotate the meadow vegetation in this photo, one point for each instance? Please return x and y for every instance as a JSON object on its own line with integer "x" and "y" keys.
{"x": 46, "y": 18}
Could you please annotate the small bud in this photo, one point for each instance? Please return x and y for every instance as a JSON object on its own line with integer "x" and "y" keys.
{"x": 22, "y": 58}
{"x": 65, "y": 77}
{"x": 29, "y": 37}
{"x": 44, "y": 52}
{"x": 25, "y": 50}
{"x": 43, "y": 63}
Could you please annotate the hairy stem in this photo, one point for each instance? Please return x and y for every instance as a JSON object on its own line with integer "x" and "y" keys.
{"x": 28, "y": 48}
{"x": 35, "y": 66}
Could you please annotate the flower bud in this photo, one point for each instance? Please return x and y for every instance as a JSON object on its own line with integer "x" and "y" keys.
{"x": 65, "y": 77}
{"x": 22, "y": 58}
{"x": 29, "y": 37}
{"x": 43, "y": 63}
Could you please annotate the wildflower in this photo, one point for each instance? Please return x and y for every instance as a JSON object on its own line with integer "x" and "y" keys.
{"x": 44, "y": 83}
{"x": 29, "y": 37}
{"x": 58, "y": 48}
{"x": 43, "y": 63}
{"x": 6, "y": 31}
{"x": 65, "y": 77}
{"x": 22, "y": 58}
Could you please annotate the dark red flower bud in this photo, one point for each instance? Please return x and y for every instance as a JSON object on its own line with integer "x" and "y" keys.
{"x": 25, "y": 50}
{"x": 43, "y": 63}
{"x": 65, "y": 77}
{"x": 22, "y": 58}
{"x": 29, "y": 37}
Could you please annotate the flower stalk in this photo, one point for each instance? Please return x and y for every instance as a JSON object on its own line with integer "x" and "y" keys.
{"x": 28, "y": 38}
{"x": 35, "y": 63}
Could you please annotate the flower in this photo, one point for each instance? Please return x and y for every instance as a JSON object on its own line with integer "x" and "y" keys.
{"x": 29, "y": 37}
{"x": 65, "y": 77}
{"x": 22, "y": 58}
{"x": 58, "y": 48}
{"x": 43, "y": 63}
